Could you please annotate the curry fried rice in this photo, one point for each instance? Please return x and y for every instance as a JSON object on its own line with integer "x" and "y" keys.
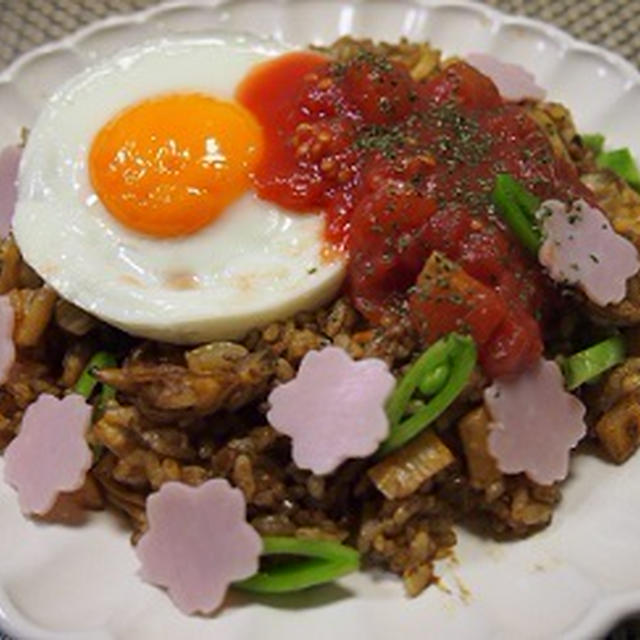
{"x": 191, "y": 414}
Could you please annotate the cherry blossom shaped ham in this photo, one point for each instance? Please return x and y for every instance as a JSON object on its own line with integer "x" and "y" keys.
{"x": 513, "y": 82}
{"x": 333, "y": 409}
{"x": 535, "y": 423}
{"x": 580, "y": 247}
{"x": 9, "y": 163}
{"x": 50, "y": 454}
{"x": 198, "y": 543}
{"x": 7, "y": 346}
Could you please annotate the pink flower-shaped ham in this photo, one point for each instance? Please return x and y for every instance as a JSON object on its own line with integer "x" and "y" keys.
{"x": 581, "y": 247}
{"x": 198, "y": 543}
{"x": 9, "y": 163}
{"x": 50, "y": 454}
{"x": 535, "y": 423}
{"x": 7, "y": 347}
{"x": 333, "y": 409}
{"x": 513, "y": 82}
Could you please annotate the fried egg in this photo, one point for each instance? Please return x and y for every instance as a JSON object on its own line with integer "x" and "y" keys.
{"x": 135, "y": 199}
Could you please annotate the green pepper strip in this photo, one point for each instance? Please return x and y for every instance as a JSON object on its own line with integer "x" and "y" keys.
{"x": 322, "y": 561}
{"x": 87, "y": 381}
{"x": 621, "y": 161}
{"x": 586, "y": 365}
{"x": 459, "y": 354}
{"x": 518, "y": 207}
{"x": 593, "y": 141}
{"x": 434, "y": 357}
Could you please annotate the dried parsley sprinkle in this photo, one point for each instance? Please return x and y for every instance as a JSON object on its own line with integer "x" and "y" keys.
{"x": 385, "y": 105}
{"x": 464, "y": 326}
{"x": 386, "y": 140}
{"x": 404, "y": 241}
{"x": 594, "y": 257}
{"x": 378, "y": 63}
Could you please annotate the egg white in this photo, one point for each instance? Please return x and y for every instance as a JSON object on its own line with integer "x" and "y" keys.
{"x": 255, "y": 264}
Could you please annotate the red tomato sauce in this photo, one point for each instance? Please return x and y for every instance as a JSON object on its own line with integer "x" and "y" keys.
{"x": 402, "y": 169}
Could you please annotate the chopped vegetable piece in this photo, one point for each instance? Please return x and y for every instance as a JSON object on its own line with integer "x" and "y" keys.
{"x": 517, "y": 206}
{"x": 481, "y": 465}
{"x": 446, "y": 299}
{"x": 50, "y": 454}
{"x": 406, "y": 470}
{"x": 7, "y": 346}
{"x": 581, "y": 248}
{"x": 535, "y": 423}
{"x": 324, "y": 561}
{"x": 588, "y": 364}
{"x": 621, "y": 162}
{"x": 593, "y": 141}
{"x": 460, "y": 353}
{"x": 513, "y": 81}
{"x": 333, "y": 409}
{"x": 87, "y": 381}
{"x": 198, "y": 543}
{"x": 106, "y": 393}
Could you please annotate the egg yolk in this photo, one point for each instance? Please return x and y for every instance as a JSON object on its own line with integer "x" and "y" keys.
{"x": 169, "y": 165}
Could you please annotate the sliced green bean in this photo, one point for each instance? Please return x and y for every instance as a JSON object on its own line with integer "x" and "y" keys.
{"x": 593, "y": 141}
{"x": 588, "y": 364}
{"x": 106, "y": 393}
{"x": 434, "y": 357}
{"x": 87, "y": 381}
{"x": 517, "y": 207}
{"x": 320, "y": 561}
{"x": 621, "y": 161}
{"x": 461, "y": 356}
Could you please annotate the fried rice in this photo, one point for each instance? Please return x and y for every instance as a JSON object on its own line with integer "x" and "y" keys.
{"x": 191, "y": 414}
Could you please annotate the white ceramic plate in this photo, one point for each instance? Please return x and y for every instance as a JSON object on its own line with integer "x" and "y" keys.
{"x": 574, "y": 580}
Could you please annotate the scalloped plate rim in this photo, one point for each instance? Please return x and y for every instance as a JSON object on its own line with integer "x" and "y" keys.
{"x": 567, "y": 40}
{"x": 608, "y": 610}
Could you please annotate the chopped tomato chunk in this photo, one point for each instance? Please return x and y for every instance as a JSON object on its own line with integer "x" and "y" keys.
{"x": 516, "y": 344}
